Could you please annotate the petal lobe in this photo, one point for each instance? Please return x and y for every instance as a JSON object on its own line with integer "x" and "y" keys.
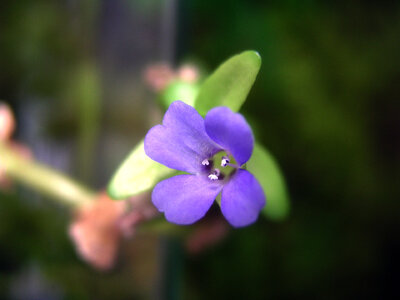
{"x": 231, "y": 131}
{"x": 185, "y": 198}
{"x": 242, "y": 199}
{"x": 181, "y": 143}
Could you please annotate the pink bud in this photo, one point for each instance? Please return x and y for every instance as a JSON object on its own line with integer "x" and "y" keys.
{"x": 188, "y": 73}
{"x": 96, "y": 233}
{"x": 7, "y": 122}
{"x": 158, "y": 76}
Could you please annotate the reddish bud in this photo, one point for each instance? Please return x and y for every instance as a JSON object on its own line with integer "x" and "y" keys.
{"x": 158, "y": 76}
{"x": 95, "y": 231}
{"x": 188, "y": 73}
{"x": 7, "y": 122}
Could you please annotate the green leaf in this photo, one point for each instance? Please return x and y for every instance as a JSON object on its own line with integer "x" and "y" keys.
{"x": 264, "y": 167}
{"x": 137, "y": 174}
{"x": 230, "y": 84}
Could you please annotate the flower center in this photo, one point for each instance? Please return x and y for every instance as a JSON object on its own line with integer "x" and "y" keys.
{"x": 223, "y": 160}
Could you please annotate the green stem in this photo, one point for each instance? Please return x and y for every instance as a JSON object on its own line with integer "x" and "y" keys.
{"x": 43, "y": 178}
{"x": 161, "y": 226}
{"x": 65, "y": 190}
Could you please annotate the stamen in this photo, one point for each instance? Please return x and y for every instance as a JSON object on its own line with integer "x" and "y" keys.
{"x": 205, "y": 162}
{"x": 213, "y": 177}
{"x": 224, "y": 161}
{"x": 214, "y": 174}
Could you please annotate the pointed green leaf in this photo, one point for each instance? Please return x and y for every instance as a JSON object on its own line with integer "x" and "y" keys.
{"x": 230, "y": 84}
{"x": 264, "y": 167}
{"x": 137, "y": 174}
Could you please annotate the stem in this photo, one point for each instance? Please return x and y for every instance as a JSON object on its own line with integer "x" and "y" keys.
{"x": 161, "y": 226}
{"x": 43, "y": 178}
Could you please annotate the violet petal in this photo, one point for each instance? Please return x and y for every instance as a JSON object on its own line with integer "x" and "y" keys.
{"x": 242, "y": 199}
{"x": 181, "y": 143}
{"x": 231, "y": 131}
{"x": 185, "y": 198}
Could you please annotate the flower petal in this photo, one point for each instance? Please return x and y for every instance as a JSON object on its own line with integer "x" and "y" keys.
{"x": 185, "y": 198}
{"x": 231, "y": 131}
{"x": 181, "y": 143}
{"x": 242, "y": 199}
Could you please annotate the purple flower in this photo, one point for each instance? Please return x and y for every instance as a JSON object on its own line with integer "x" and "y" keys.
{"x": 213, "y": 151}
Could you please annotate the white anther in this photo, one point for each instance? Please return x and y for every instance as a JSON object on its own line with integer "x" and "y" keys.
{"x": 224, "y": 161}
{"x": 205, "y": 162}
{"x": 214, "y": 174}
{"x": 213, "y": 177}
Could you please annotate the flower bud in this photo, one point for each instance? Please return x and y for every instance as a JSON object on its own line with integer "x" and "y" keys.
{"x": 95, "y": 231}
{"x": 188, "y": 73}
{"x": 158, "y": 76}
{"x": 7, "y": 122}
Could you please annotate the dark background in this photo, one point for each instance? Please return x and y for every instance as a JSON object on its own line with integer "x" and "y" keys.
{"x": 325, "y": 103}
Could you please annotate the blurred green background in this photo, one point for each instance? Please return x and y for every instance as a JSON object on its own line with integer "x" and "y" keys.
{"x": 325, "y": 103}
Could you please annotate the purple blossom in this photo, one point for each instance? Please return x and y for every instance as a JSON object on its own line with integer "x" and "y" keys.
{"x": 213, "y": 151}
